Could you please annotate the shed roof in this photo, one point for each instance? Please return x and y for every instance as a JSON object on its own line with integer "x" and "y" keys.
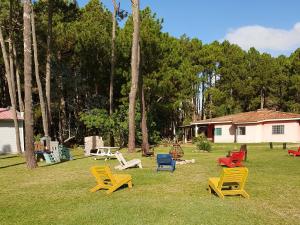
{"x": 262, "y": 115}
{"x": 7, "y": 114}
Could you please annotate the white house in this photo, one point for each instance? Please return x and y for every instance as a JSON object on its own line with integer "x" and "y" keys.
{"x": 7, "y": 131}
{"x": 249, "y": 127}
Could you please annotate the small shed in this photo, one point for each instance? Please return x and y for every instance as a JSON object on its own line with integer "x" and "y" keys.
{"x": 7, "y": 131}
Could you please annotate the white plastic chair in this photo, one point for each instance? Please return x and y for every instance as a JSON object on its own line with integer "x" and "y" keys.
{"x": 127, "y": 164}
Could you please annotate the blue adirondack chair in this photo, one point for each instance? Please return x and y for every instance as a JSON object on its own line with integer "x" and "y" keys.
{"x": 165, "y": 162}
{"x": 49, "y": 158}
{"x": 64, "y": 153}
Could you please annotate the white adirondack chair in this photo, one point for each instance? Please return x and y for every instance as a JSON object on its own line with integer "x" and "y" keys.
{"x": 127, "y": 164}
{"x": 54, "y": 150}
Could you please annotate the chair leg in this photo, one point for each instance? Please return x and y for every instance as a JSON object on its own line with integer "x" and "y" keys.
{"x": 96, "y": 188}
{"x": 219, "y": 193}
{"x": 209, "y": 189}
{"x": 113, "y": 188}
{"x": 245, "y": 194}
{"x": 130, "y": 184}
{"x": 140, "y": 165}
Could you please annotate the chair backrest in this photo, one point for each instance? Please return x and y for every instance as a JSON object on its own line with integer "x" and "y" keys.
{"x": 49, "y": 157}
{"x": 243, "y": 148}
{"x": 54, "y": 150}
{"x": 237, "y": 156}
{"x": 120, "y": 158}
{"x": 164, "y": 159}
{"x": 54, "y": 145}
{"x": 234, "y": 175}
{"x": 64, "y": 153}
{"x": 102, "y": 173}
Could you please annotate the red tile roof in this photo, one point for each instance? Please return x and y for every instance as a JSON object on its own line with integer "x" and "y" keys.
{"x": 252, "y": 117}
{"x": 6, "y": 114}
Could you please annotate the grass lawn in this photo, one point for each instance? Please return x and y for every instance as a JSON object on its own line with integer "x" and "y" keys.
{"x": 59, "y": 194}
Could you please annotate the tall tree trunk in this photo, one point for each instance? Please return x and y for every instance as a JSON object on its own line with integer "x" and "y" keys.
{"x": 194, "y": 104}
{"x": 62, "y": 119}
{"x": 134, "y": 74}
{"x": 30, "y": 158}
{"x": 10, "y": 89}
{"x": 203, "y": 116}
{"x": 113, "y": 58}
{"x": 48, "y": 61}
{"x": 144, "y": 128}
{"x": 10, "y": 50}
{"x": 112, "y": 66}
{"x": 210, "y": 96}
{"x": 145, "y": 142}
{"x": 37, "y": 77}
{"x": 20, "y": 99}
{"x": 62, "y": 105}
{"x": 262, "y": 98}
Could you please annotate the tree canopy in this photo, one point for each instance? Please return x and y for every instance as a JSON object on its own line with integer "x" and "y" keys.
{"x": 184, "y": 79}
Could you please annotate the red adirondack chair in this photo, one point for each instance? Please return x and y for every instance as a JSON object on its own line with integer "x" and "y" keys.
{"x": 294, "y": 152}
{"x": 233, "y": 160}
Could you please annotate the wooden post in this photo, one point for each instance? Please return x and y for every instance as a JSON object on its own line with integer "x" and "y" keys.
{"x": 284, "y": 146}
{"x": 196, "y": 130}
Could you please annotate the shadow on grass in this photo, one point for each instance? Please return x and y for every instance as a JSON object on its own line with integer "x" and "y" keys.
{"x": 120, "y": 189}
{"x": 16, "y": 164}
{"x": 104, "y": 159}
{"x": 64, "y": 161}
{"x": 8, "y": 157}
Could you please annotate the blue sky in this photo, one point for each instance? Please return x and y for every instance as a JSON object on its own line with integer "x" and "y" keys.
{"x": 269, "y": 25}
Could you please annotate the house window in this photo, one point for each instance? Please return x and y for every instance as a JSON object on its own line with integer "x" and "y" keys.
{"x": 241, "y": 130}
{"x": 278, "y": 129}
{"x": 218, "y": 131}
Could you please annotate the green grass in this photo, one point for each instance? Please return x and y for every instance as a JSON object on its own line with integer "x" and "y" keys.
{"x": 59, "y": 194}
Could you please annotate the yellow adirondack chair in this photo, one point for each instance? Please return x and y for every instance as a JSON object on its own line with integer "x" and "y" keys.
{"x": 231, "y": 182}
{"x": 106, "y": 180}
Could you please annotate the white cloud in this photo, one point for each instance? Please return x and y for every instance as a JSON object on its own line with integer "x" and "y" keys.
{"x": 265, "y": 39}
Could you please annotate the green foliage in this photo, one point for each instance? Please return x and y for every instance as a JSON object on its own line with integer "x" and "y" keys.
{"x": 202, "y": 143}
{"x": 184, "y": 79}
{"x": 97, "y": 119}
{"x": 76, "y": 147}
{"x": 199, "y": 138}
{"x": 98, "y": 122}
{"x": 166, "y": 142}
{"x": 37, "y": 137}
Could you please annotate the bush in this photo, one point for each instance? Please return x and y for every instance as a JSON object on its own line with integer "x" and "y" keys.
{"x": 199, "y": 138}
{"x": 166, "y": 142}
{"x": 202, "y": 143}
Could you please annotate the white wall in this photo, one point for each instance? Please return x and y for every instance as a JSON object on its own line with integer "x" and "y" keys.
{"x": 8, "y": 138}
{"x": 262, "y": 132}
{"x": 227, "y": 136}
{"x": 291, "y": 132}
{"x": 254, "y": 133}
